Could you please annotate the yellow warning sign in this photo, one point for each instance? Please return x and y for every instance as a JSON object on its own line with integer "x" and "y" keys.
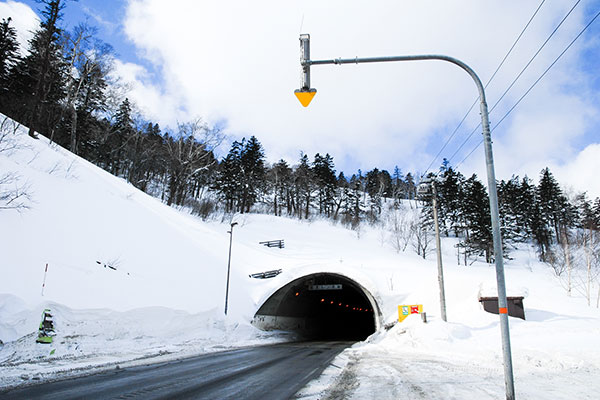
{"x": 305, "y": 96}
{"x": 406, "y": 310}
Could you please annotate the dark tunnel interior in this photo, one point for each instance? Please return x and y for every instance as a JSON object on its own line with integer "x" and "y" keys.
{"x": 319, "y": 307}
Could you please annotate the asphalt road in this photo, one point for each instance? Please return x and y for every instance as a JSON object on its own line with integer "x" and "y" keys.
{"x": 263, "y": 372}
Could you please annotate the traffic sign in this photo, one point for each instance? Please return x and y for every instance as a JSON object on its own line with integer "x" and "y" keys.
{"x": 305, "y": 96}
{"x": 406, "y": 310}
{"x": 334, "y": 286}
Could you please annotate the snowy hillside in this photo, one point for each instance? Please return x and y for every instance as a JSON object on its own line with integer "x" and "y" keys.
{"x": 129, "y": 277}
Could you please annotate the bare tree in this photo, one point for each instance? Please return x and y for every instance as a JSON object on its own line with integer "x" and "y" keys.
{"x": 422, "y": 237}
{"x": 402, "y": 226}
{"x": 14, "y": 193}
{"x": 190, "y": 155}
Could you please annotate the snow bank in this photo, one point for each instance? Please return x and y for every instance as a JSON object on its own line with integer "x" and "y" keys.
{"x": 104, "y": 338}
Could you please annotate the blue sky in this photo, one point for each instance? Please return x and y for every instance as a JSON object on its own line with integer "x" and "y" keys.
{"x": 236, "y": 64}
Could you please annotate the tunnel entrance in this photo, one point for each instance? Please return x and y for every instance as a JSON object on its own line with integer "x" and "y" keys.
{"x": 320, "y": 306}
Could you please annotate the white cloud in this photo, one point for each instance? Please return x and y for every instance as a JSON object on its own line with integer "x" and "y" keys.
{"x": 24, "y": 20}
{"x": 581, "y": 173}
{"x": 238, "y": 62}
{"x": 149, "y": 98}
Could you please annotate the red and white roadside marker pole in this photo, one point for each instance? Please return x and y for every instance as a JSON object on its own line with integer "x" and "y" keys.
{"x": 44, "y": 283}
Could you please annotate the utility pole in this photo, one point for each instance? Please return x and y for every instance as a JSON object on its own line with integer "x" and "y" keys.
{"x": 307, "y": 93}
{"x": 229, "y": 264}
{"x": 427, "y": 189}
{"x": 438, "y": 246}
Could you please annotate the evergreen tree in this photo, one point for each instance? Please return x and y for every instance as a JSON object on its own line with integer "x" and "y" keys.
{"x": 411, "y": 188}
{"x": 375, "y": 190}
{"x": 476, "y": 213}
{"x": 323, "y": 173}
{"x": 352, "y": 204}
{"x": 398, "y": 186}
{"x": 556, "y": 211}
{"x": 508, "y": 203}
{"x": 450, "y": 194}
{"x": 303, "y": 187}
{"x": 228, "y": 182}
{"x": 342, "y": 190}
{"x": 38, "y": 79}
{"x": 587, "y": 216}
{"x": 121, "y": 132}
{"x": 253, "y": 173}
{"x": 8, "y": 49}
{"x": 280, "y": 180}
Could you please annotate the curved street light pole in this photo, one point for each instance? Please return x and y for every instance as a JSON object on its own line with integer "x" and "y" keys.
{"x": 229, "y": 264}
{"x": 306, "y": 63}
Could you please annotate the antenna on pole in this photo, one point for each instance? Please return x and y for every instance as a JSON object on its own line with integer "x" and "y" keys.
{"x": 305, "y": 94}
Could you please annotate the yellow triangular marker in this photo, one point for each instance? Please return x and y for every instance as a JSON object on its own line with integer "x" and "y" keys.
{"x": 304, "y": 96}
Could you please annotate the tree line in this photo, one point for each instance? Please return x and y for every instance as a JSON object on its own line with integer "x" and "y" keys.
{"x": 63, "y": 86}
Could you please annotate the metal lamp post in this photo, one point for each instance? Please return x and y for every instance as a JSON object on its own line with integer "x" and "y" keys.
{"x": 307, "y": 93}
{"x": 229, "y": 264}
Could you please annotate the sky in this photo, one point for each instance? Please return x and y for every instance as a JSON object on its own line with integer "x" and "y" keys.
{"x": 235, "y": 64}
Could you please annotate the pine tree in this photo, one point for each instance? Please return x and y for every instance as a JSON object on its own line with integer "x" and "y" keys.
{"x": 8, "y": 48}
{"x": 303, "y": 187}
{"x": 323, "y": 173}
{"x": 508, "y": 201}
{"x": 352, "y": 205}
{"x": 280, "y": 180}
{"x": 398, "y": 189}
{"x": 228, "y": 181}
{"x": 342, "y": 190}
{"x": 555, "y": 208}
{"x": 38, "y": 79}
{"x": 121, "y": 132}
{"x": 450, "y": 194}
{"x": 252, "y": 162}
{"x": 476, "y": 213}
{"x": 375, "y": 188}
{"x": 411, "y": 188}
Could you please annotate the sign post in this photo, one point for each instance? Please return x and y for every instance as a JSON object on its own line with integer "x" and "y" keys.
{"x": 405, "y": 310}
{"x": 306, "y": 63}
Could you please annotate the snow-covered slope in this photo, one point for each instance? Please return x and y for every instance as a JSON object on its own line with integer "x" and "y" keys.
{"x": 165, "y": 291}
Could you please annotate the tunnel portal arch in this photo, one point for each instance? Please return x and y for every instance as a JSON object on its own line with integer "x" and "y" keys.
{"x": 325, "y": 306}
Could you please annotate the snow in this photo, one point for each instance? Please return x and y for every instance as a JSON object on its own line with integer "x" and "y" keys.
{"x": 164, "y": 295}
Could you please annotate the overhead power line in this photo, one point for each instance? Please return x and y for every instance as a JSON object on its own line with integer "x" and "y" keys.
{"x": 486, "y": 85}
{"x": 534, "y": 56}
{"x": 534, "y": 83}
{"x": 516, "y": 79}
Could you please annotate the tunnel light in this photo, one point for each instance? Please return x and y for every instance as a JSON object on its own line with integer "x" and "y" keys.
{"x": 322, "y": 300}
{"x": 297, "y": 294}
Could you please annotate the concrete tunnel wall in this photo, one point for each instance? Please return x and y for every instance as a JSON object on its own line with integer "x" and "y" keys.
{"x": 307, "y": 307}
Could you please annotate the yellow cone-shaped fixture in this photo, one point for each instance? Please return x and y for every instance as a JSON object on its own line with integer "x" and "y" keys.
{"x": 305, "y": 96}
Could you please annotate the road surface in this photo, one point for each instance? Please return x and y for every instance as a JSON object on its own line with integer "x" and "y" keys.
{"x": 263, "y": 372}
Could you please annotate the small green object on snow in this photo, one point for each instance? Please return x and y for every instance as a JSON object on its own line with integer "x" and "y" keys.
{"x": 46, "y": 330}
{"x": 53, "y": 351}
{"x": 44, "y": 339}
